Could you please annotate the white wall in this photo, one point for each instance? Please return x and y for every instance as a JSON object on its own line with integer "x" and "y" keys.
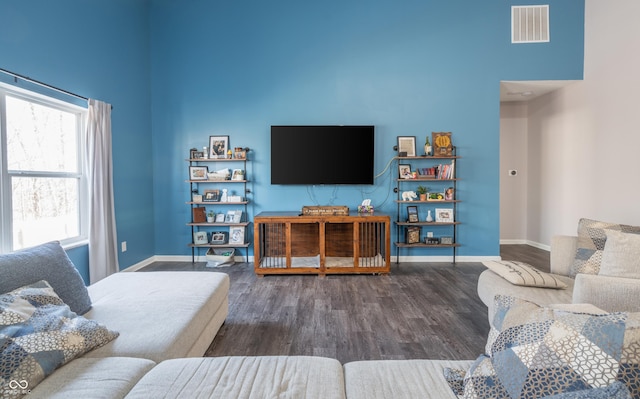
{"x": 583, "y": 141}
{"x": 513, "y": 156}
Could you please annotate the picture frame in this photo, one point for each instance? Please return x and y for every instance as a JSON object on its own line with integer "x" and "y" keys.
{"x": 200, "y": 238}
{"x": 237, "y": 174}
{"x": 442, "y": 146}
{"x": 412, "y": 214}
{"x": 407, "y": 144}
{"x": 412, "y": 235}
{"x": 218, "y": 146}
{"x": 198, "y": 172}
{"x": 236, "y": 235}
{"x": 240, "y": 153}
{"x": 444, "y": 215}
{"x": 211, "y": 196}
{"x": 220, "y": 218}
{"x": 218, "y": 238}
{"x": 404, "y": 171}
{"x": 233, "y": 216}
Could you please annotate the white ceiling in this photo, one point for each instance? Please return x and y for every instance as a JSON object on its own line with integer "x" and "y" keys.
{"x": 528, "y": 90}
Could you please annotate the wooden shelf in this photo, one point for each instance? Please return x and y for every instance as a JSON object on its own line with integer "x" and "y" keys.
{"x": 227, "y": 245}
{"x": 216, "y": 181}
{"x": 428, "y": 202}
{"x": 216, "y": 160}
{"x": 426, "y": 223}
{"x": 204, "y": 224}
{"x": 423, "y": 245}
{"x": 218, "y": 203}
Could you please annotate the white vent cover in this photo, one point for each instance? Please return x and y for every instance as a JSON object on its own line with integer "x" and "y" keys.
{"x": 529, "y": 24}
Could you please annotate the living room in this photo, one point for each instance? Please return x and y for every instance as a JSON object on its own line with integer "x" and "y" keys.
{"x": 174, "y": 77}
{"x": 178, "y": 72}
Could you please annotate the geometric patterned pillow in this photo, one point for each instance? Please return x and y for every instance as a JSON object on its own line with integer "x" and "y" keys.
{"x": 481, "y": 381}
{"x": 591, "y": 240}
{"x": 542, "y": 352}
{"x": 39, "y": 333}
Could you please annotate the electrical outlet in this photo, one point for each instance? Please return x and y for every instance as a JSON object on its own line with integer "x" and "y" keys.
{"x": 123, "y": 246}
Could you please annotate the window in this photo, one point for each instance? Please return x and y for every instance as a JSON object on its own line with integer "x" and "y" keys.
{"x": 43, "y": 184}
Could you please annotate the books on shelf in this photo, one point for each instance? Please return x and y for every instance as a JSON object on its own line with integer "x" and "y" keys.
{"x": 446, "y": 171}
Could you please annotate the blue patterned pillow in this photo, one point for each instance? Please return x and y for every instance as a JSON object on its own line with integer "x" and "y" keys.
{"x": 542, "y": 352}
{"x": 39, "y": 333}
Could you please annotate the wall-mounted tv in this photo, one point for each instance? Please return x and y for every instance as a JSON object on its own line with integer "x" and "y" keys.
{"x": 322, "y": 155}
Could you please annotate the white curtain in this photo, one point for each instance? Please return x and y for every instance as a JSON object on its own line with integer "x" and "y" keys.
{"x": 103, "y": 242}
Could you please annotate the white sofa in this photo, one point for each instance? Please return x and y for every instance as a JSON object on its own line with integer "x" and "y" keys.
{"x": 613, "y": 294}
{"x": 166, "y": 321}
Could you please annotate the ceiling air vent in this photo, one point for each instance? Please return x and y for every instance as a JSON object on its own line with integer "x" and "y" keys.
{"x": 529, "y": 24}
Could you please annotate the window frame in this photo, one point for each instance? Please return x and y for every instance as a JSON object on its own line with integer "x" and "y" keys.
{"x": 6, "y": 175}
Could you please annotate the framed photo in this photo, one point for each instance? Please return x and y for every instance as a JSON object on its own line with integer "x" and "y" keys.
{"x": 404, "y": 171}
{"x": 233, "y": 216}
{"x": 220, "y": 218}
{"x": 198, "y": 172}
{"x": 412, "y": 214}
{"x": 407, "y": 144}
{"x": 236, "y": 235}
{"x": 218, "y": 238}
{"x": 197, "y": 198}
{"x": 200, "y": 237}
{"x": 218, "y": 146}
{"x": 195, "y": 154}
{"x": 238, "y": 174}
{"x": 211, "y": 196}
{"x": 412, "y": 235}
{"x": 442, "y": 146}
{"x": 444, "y": 215}
{"x": 240, "y": 153}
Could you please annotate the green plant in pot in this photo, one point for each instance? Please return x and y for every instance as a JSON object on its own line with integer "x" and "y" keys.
{"x": 422, "y": 192}
{"x": 211, "y": 217}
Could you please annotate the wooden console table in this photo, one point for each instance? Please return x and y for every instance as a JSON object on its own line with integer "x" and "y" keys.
{"x": 287, "y": 243}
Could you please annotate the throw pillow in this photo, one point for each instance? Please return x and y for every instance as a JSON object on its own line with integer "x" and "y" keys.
{"x": 45, "y": 262}
{"x": 621, "y": 255}
{"x": 542, "y": 351}
{"x": 591, "y": 240}
{"x": 617, "y": 390}
{"x": 520, "y": 273}
{"x": 39, "y": 333}
{"x": 455, "y": 379}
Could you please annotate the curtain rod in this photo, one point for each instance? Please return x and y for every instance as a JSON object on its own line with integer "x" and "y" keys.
{"x": 48, "y": 86}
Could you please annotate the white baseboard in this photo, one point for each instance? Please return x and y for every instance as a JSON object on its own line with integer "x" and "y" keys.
{"x": 174, "y": 258}
{"x": 526, "y": 242}
{"x": 445, "y": 259}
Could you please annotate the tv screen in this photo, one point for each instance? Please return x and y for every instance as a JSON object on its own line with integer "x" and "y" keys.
{"x": 322, "y": 154}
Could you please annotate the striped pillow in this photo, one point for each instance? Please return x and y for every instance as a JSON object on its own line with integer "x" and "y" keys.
{"x": 520, "y": 273}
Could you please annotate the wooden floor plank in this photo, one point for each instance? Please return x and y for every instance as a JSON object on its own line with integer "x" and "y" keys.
{"x": 419, "y": 311}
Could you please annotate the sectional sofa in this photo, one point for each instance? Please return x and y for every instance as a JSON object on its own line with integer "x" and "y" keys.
{"x": 164, "y": 322}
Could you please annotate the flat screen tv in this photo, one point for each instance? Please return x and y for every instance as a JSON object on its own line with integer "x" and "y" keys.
{"x": 315, "y": 155}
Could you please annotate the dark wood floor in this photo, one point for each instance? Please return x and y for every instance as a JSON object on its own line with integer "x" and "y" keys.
{"x": 419, "y": 311}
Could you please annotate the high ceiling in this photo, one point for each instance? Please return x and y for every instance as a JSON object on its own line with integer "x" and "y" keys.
{"x": 528, "y": 90}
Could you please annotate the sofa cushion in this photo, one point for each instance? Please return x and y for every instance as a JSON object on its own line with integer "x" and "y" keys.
{"x": 47, "y": 262}
{"x": 621, "y": 255}
{"x": 243, "y": 377}
{"x": 543, "y": 351}
{"x": 520, "y": 273}
{"x": 415, "y": 378}
{"x": 617, "y": 390}
{"x": 490, "y": 285}
{"x": 160, "y": 315}
{"x": 39, "y": 333}
{"x": 111, "y": 377}
{"x": 591, "y": 241}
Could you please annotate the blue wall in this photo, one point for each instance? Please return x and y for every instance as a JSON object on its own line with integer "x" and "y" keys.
{"x": 179, "y": 71}
{"x": 97, "y": 49}
{"x": 408, "y": 67}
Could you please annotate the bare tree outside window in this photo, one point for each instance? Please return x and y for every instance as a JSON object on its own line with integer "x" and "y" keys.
{"x": 44, "y": 168}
